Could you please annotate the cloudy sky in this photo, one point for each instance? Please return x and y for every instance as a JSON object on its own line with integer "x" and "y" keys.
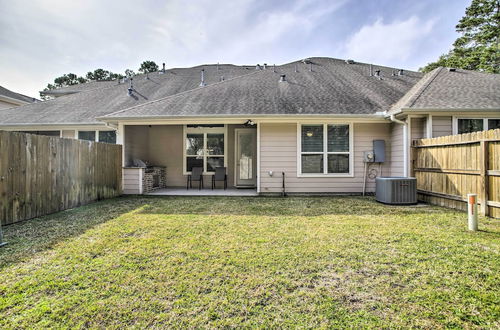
{"x": 42, "y": 39}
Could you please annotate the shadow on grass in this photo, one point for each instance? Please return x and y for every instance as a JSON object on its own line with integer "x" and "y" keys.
{"x": 29, "y": 237}
{"x": 279, "y": 206}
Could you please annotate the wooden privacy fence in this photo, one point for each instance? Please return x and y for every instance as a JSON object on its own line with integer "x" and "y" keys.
{"x": 450, "y": 167}
{"x": 40, "y": 175}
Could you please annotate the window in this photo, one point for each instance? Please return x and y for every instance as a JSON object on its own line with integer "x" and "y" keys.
{"x": 86, "y": 135}
{"x": 493, "y": 123}
{"x": 470, "y": 125}
{"x": 205, "y": 146}
{"x": 45, "y": 133}
{"x": 102, "y": 136}
{"x": 325, "y": 149}
{"x": 107, "y": 136}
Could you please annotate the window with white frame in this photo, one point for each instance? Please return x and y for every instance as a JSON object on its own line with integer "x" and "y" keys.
{"x": 98, "y": 136}
{"x": 204, "y": 147}
{"x": 325, "y": 149}
{"x": 470, "y": 125}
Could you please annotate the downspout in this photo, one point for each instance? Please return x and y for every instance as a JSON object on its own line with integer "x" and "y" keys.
{"x": 405, "y": 143}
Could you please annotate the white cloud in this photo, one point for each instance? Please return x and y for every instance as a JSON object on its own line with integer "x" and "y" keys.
{"x": 41, "y": 39}
{"x": 389, "y": 43}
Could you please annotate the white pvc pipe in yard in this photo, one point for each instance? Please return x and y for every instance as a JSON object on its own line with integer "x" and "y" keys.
{"x": 472, "y": 211}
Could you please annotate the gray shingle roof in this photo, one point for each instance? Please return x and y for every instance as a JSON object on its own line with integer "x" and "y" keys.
{"x": 333, "y": 87}
{"x": 460, "y": 89}
{"x": 85, "y": 106}
{"x": 13, "y": 95}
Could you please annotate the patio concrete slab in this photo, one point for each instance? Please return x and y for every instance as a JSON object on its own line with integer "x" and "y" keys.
{"x": 203, "y": 192}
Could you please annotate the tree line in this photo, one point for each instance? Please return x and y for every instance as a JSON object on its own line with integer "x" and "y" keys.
{"x": 478, "y": 47}
{"x": 70, "y": 79}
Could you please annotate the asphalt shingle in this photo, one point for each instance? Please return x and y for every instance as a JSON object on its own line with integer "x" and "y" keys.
{"x": 459, "y": 89}
{"x": 332, "y": 87}
{"x": 85, "y": 106}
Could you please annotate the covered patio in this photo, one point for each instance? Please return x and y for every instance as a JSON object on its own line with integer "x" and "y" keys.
{"x": 231, "y": 192}
{"x": 158, "y": 159}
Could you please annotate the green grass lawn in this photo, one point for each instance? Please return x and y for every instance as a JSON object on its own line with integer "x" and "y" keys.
{"x": 251, "y": 262}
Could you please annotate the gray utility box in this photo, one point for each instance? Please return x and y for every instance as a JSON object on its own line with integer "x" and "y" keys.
{"x": 396, "y": 190}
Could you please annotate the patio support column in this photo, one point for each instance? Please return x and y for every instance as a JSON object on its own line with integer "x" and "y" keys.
{"x": 258, "y": 157}
{"x": 120, "y": 139}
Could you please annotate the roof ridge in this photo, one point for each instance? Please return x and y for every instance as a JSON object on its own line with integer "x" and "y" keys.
{"x": 178, "y": 94}
{"x": 432, "y": 75}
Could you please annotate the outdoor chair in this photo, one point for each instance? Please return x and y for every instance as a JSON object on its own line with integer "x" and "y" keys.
{"x": 220, "y": 175}
{"x": 196, "y": 175}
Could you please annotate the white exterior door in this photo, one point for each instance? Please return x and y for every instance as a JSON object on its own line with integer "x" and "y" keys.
{"x": 246, "y": 157}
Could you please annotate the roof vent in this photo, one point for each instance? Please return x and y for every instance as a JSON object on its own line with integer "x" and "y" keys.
{"x": 130, "y": 87}
{"x": 311, "y": 66}
{"x": 257, "y": 67}
{"x": 221, "y": 78}
{"x": 265, "y": 66}
{"x": 202, "y": 82}
{"x": 349, "y": 61}
{"x": 452, "y": 69}
{"x": 378, "y": 74}
{"x": 283, "y": 78}
{"x": 162, "y": 70}
{"x": 401, "y": 72}
{"x": 274, "y": 67}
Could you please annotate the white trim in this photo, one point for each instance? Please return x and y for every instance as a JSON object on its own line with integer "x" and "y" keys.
{"x": 96, "y": 132}
{"x": 408, "y": 139}
{"x": 14, "y": 101}
{"x": 203, "y": 130}
{"x": 429, "y": 127}
{"x": 325, "y": 152}
{"x": 405, "y": 145}
{"x": 120, "y": 139}
{"x": 176, "y": 120}
{"x": 236, "y": 146}
{"x": 141, "y": 186}
{"x": 258, "y": 157}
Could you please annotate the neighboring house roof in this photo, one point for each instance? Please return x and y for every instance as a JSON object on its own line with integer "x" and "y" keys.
{"x": 17, "y": 98}
{"x": 73, "y": 89}
{"x": 453, "y": 89}
{"x": 85, "y": 106}
{"x": 332, "y": 87}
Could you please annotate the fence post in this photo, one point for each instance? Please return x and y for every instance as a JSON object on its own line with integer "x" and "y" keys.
{"x": 484, "y": 184}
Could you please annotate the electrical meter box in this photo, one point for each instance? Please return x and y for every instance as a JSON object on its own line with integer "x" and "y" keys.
{"x": 379, "y": 150}
{"x": 368, "y": 157}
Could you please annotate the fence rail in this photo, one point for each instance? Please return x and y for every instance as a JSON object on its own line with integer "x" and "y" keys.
{"x": 450, "y": 167}
{"x": 40, "y": 175}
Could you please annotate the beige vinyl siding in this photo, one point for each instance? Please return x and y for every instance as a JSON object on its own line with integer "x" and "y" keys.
{"x": 441, "y": 126}
{"x": 165, "y": 149}
{"x": 132, "y": 180}
{"x": 69, "y": 134}
{"x": 397, "y": 150}
{"x": 278, "y": 153}
{"x": 418, "y": 128}
{"x": 136, "y": 143}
